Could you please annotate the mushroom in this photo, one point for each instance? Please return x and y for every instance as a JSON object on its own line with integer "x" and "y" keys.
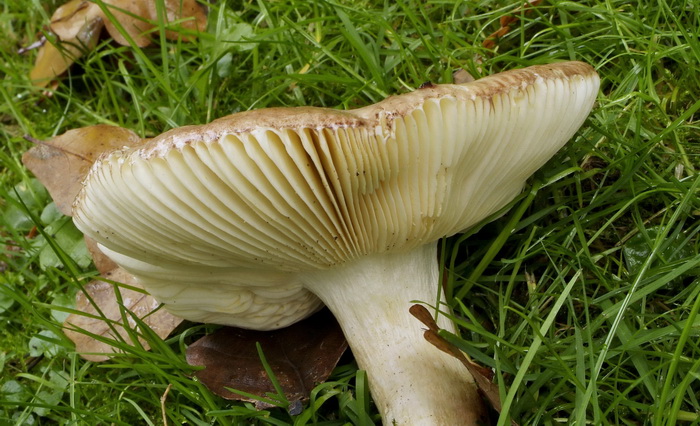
{"x": 258, "y": 218}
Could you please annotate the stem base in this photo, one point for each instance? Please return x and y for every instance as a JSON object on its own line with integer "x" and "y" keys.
{"x": 411, "y": 381}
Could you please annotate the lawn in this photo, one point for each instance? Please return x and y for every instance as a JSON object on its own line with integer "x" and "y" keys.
{"x": 583, "y": 298}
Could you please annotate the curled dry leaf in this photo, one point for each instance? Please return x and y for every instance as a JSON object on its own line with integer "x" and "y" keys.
{"x": 103, "y": 316}
{"x": 62, "y": 162}
{"x": 74, "y": 37}
{"x": 69, "y": 18}
{"x": 300, "y": 356}
{"x": 507, "y": 21}
{"x": 483, "y": 376}
{"x": 78, "y": 24}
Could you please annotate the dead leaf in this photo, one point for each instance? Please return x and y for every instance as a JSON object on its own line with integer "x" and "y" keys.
{"x": 507, "y": 21}
{"x": 53, "y": 60}
{"x": 461, "y": 76}
{"x": 69, "y": 18}
{"x": 103, "y": 264}
{"x": 78, "y": 24}
{"x": 62, "y": 162}
{"x": 483, "y": 376}
{"x": 421, "y": 313}
{"x": 300, "y": 356}
{"x": 111, "y": 324}
{"x": 133, "y": 16}
{"x": 137, "y": 18}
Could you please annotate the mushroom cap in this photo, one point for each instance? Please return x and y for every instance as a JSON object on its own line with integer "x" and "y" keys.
{"x": 220, "y": 221}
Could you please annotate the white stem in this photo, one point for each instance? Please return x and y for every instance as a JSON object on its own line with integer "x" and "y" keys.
{"x": 412, "y": 382}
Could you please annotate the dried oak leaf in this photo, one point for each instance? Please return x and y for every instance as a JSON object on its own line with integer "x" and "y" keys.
{"x": 77, "y": 26}
{"x": 300, "y": 356}
{"x": 483, "y": 376}
{"x": 102, "y": 319}
{"x": 61, "y": 163}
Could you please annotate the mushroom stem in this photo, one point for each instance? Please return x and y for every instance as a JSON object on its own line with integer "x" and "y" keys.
{"x": 411, "y": 381}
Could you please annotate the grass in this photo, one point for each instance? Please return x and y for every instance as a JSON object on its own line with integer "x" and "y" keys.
{"x": 584, "y": 298}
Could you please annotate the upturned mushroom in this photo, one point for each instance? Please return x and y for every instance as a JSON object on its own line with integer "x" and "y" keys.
{"x": 257, "y": 219}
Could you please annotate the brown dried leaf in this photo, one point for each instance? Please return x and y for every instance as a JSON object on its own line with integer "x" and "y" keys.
{"x": 133, "y": 16}
{"x": 103, "y": 264}
{"x": 50, "y": 63}
{"x": 422, "y": 314}
{"x": 78, "y": 24}
{"x": 53, "y": 60}
{"x": 137, "y": 17}
{"x": 68, "y": 19}
{"x": 104, "y": 297}
{"x": 300, "y": 356}
{"x": 62, "y": 162}
{"x": 507, "y": 21}
{"x": 189, "y": 9}
{"x": 483, "y": 376}
{"x": 461, "y": 76}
